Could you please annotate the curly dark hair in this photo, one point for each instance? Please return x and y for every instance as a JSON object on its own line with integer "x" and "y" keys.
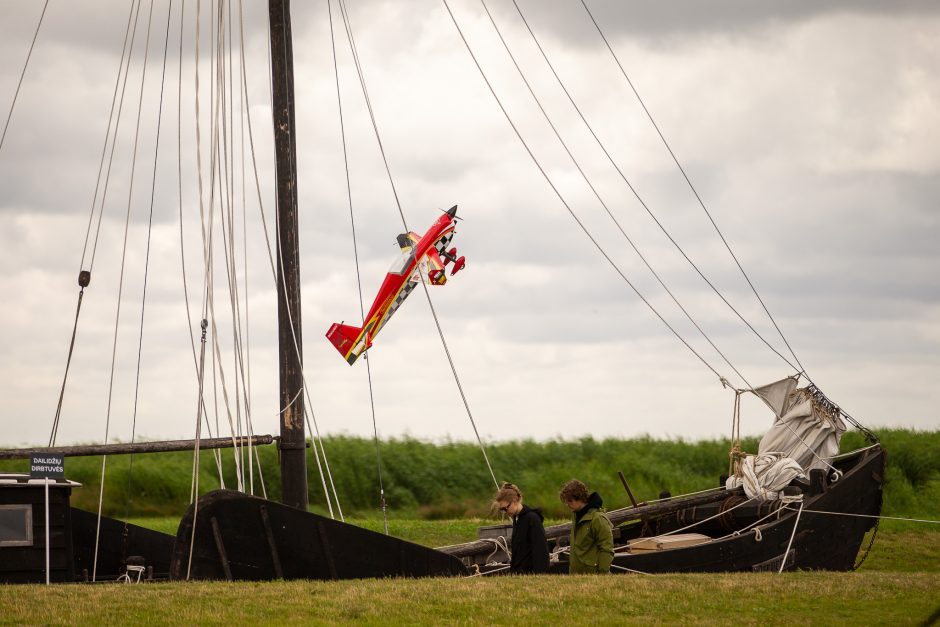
{"x": 574, "y": 490}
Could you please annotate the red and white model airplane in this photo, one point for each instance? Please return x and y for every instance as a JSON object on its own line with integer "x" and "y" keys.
{"x": 423, "y": 257}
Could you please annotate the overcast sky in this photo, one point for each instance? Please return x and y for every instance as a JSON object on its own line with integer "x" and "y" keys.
{"x": 809, "y": 130}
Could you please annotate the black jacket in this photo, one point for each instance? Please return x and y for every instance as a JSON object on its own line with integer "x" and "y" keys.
{"x": 529, "y": 549}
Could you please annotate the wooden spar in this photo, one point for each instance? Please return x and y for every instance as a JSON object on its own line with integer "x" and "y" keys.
{"x": 616, "y": 517}
{"x": 136, "y": 447}
{"x": 292, "y": 443}
{"x": 626, "y": 487}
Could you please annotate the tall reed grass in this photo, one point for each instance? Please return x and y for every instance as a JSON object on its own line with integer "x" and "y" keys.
{"x": 450, "y": 479}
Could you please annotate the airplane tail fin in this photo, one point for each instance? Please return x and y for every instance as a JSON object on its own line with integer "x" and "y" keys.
{"x": 347, "y": 340}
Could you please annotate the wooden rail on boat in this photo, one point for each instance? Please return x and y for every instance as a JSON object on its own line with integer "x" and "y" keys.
{"x": 616, "y": 517}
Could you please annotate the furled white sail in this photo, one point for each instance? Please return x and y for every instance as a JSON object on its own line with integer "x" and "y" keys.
{"x": 807, "y": 429}
{"x": 805, "y": 434}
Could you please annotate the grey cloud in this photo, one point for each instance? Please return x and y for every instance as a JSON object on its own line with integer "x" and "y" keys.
{"x": 679, "y": 20}
{"x": 803, "y": 149}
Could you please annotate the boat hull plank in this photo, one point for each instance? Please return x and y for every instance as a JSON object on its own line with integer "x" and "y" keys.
{"x": 242, "y": 537}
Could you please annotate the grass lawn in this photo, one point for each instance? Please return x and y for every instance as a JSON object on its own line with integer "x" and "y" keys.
{"x": 898, "y": 584}
{"x": 759, "y": 598}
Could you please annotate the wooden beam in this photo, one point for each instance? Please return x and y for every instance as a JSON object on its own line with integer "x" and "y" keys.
{"x": 136, "y": 447}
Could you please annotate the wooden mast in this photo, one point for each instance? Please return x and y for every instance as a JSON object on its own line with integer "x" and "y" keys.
{"x": 293, "y": 441}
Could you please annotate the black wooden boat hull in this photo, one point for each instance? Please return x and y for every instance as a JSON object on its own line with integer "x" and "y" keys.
{"x": 117, "y": 541}
{"x": 821, "y": 541}
{"x": 242, "y": 537}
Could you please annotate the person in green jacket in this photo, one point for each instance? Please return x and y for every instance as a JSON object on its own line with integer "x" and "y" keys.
{"x": 592, "y": 541}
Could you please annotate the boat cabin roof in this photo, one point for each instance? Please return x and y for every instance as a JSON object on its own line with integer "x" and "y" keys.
{"x": 23, "y": 480}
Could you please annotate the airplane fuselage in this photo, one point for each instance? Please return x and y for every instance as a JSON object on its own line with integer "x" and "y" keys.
{"x": 403, "y": 277}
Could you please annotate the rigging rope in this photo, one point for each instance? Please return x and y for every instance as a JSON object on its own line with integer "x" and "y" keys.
{"x": 593, "y": 188}
{"x": 200, "y": 405}
{"x": 314, "y": 433}
{"x": 216, "y": 177}
{"x": 117, "y": 123}
{"x": 226, "y": 199}
{"x": 567, "y": 206}
{"x": 783, "y": 559}
{"x": 587, "y": 232}
{"x": 220, "y": 161}
{"x": 84, "y": 277}
{"x": 23, "y": 74}
{"x": 117, "y": 317}
{"x": 697, "y": 196}
{"x": 365, "y": 92}
{"x": 362, "y": 313}
{"x": 216, "y": 454}
{"x": 643, "y": 203}
{"x": 143, "y": 298}
{"x": 246, "y": 375}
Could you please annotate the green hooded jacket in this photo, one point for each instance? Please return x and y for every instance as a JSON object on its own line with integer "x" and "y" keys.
{"x": 591, "y": 540}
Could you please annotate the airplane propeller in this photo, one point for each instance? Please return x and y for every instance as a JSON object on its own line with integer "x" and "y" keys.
{"x": 452, "y": 212}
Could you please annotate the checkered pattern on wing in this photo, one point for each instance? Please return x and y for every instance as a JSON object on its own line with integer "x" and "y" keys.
{"x": 402, "y": 295}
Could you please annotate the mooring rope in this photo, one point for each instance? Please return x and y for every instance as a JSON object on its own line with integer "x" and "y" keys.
{"x": 751, "y": 527}
{"x": 629, "y": 570}
{"x": 783, "y": 560}
{"x": 879, "y": 517}
{"x": 491, "y": 572}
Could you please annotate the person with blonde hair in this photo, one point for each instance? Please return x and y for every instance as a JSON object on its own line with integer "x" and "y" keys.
{"x": 529, "y": 550}
{"x": 591, "y": 541}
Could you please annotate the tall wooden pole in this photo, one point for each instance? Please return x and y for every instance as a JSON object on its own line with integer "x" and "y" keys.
{"x": 293, "y": 441}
